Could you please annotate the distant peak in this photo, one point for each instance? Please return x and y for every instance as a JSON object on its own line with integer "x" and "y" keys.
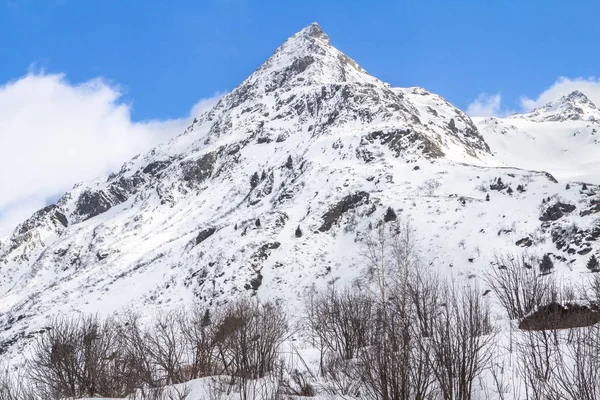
{"x": 576, "y": 95}
{"x": 570, "y": 107}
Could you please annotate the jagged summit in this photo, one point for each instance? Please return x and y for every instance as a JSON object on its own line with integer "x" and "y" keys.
{"x": 574, "y": 106}
{"x": 307, "y": 58}
{"x": 314, "y": 30}
{"x": 308, "y": 85}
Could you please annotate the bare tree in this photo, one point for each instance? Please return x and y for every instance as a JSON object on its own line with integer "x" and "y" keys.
{"x": 164, "y": 345}
{"x": 395, "y": 366}
{"x": 460, "y": 342}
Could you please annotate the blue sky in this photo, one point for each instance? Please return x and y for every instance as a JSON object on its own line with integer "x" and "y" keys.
{"x": 85, "y": 85}
{"x": 167, "y": 55}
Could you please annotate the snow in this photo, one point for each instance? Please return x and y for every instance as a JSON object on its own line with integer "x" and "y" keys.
{"x": 434, "y": 168}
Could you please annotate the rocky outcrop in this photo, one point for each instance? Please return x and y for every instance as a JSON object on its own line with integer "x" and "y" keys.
{"x": 556, "y": 211}
{"x": 339, "y": 209}
{"x": 556, "y": 316}
{"x": 205, "y": 234}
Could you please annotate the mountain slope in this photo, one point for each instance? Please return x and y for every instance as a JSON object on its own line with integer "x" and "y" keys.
{"x": 309, "y": 140}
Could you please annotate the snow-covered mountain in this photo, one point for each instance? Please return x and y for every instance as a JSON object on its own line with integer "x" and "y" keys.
{"x": 560, "y": 137}
{"x": 573, "y": 107}
{"x": 309, "y": 140}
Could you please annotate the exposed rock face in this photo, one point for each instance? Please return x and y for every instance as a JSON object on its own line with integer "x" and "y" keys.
{"x": 338, "y": 210}
{"x": 555, "y": 316}
{"x": 205, "y": 234}
{"x": 556, "y": 211}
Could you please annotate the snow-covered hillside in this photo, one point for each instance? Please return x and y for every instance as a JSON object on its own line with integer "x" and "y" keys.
{"x": 309, "y": 140}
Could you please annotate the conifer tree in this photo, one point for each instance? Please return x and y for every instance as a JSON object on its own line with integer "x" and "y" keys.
{"x": 593, "y": 265}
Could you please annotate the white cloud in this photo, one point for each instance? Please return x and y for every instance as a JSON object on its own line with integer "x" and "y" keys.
{"x": 563, "y": 86}
{"x": 54, "y": 134}
{"x": 485, "y": 105}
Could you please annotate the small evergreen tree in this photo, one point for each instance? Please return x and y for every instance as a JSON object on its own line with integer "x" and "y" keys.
{"x": 298, "y": 232}
{"x": 509, "y": 191}
{"x": 584, "y": 187}
{"x": 289, "y": 164}
{"x": 206, "y": 319}
{"x": 567, "y": 187}
{"x": 593, "y": 265}
{"x": 487, "y": 197}
{"x": 546, "y": 265}
{"x": 257, "y": 223}
{"x": 254, "y": 179}
{"x": 390, "y": 215}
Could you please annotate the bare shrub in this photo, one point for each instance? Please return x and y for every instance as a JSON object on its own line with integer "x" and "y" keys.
{"x": 577, "y": 376}
{"x": 141, "y": 367}
{"x": 297, "y": 384}
{"x": 13, "y": 386}
{"x": 560, "y": 364}
{"x": 249, "y": 335}
{"x": 80, "y": 357}
{"x": 164, "y": 347}
{"x": 517, "y": 284}
{"x": 200, "y": 338}
{"x": 340, "y": 320}
{"x": 341, "y": 377}
{"x": 460, "y": 342}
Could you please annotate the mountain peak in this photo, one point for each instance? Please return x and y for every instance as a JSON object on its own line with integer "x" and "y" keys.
{"x": 574, "y": 106}
{"x": 577, "y": 97}
{"x": 314, "y": 31}
{"x": 307, "y": 58}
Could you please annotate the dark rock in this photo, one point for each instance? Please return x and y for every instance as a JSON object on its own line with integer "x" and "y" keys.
{"x": 91, "y": 204}
{"x": 525, "y": 242}
{"x": 95, "y": 202}
{"x": 60, "y": 217}
{"x": 498, "y": 185}
{"x": 556, "y": 211}
{"x": 254, "y": 282}
{"x": 555, "y": 316}
{"x": 198, "y": 171}
{"x": 155, "y": 167}
{"x": 593, "y": 209}
{"x": 337, "y": 211}
{"x": 401, "y": 140}
{"x": 205, "y": 234}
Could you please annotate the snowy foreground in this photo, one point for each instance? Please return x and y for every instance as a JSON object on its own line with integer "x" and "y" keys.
{"x": 274, "y": 193}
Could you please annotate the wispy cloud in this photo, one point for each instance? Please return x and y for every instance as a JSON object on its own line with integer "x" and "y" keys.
{"x": 54, "y": 134}
{"x": 486, "y": 105}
